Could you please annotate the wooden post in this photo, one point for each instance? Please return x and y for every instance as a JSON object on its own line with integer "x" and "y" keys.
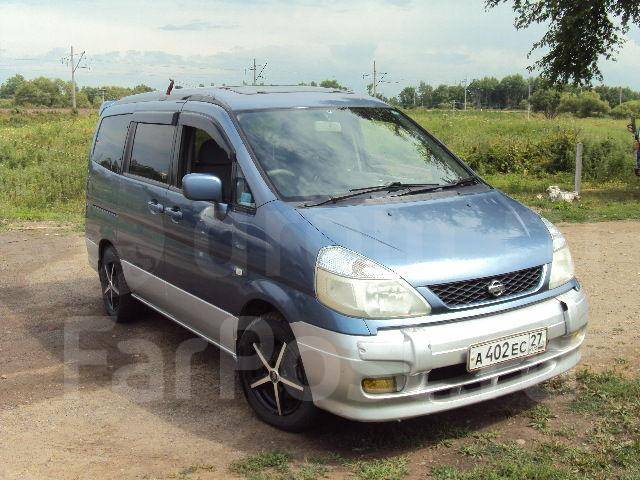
{"x": 578, "y": 178}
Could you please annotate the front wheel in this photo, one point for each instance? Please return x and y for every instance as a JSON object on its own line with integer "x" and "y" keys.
{"x": 272, "y": 374}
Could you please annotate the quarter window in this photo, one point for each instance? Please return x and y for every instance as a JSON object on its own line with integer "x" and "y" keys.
{"x": 243, "y": 196}
{"x": 109, "y": 144}
{"x": 151, "y": 154}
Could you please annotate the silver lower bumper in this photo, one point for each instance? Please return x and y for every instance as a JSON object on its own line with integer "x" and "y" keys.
{"x": 336, "y": 364}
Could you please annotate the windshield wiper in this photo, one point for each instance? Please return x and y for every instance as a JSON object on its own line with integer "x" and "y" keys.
{"x": 394, "y": 186}
{"x": 422, "y": 188}
{"x": 354, "y": 192}
{"x": 463, "y": 182}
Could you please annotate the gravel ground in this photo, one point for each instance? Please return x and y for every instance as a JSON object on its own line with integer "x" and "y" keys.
{"x": 59, "y": 421}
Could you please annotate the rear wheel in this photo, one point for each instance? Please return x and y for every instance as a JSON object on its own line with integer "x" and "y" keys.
{"x": 272, "y": 374}
{"x": 118, "y": 302}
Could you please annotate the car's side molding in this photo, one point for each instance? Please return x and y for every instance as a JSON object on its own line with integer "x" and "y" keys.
{"x": 208, "y": 321}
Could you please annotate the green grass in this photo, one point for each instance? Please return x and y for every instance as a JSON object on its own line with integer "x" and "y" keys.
{"x": 393, "y": 468}
{"x": 257, "y": 464}
{"x": 607, "y": 447}
{"x": 462, "y": 131}
{"x": 43, "y": 165}
{"x": 605, "y": 201}
{"x": 43, "y": 162}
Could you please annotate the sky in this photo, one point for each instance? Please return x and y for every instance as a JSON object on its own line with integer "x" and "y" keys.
{"x": 128, "y": 43}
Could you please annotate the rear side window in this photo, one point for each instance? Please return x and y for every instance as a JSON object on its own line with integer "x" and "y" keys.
{"x": 151, "y": 154}
{"x": 109, "y": 147}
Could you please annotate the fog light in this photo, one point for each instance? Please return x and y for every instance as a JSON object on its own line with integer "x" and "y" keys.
{"x": 379, "y": 385}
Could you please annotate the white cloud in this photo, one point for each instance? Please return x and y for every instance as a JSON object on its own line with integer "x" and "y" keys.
{"x": 200, "y": 41}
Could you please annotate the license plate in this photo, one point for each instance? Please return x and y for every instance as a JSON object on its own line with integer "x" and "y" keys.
{"x": 500, "y": 350}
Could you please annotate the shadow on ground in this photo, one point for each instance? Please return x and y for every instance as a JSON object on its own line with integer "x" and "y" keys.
{"x": 213, "y": 409}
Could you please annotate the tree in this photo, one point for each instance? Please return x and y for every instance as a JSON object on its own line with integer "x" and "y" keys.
{"x": 441, "y": 95}
{"x": 408, "y": 97}
{"x": 579, "y": 34}
{"x": 425, "y": 94}
{"x": 332, "y": 84}
{"x": 512, "y": 90}
{"x": 568, "y": 103}
{"x": 484, "y": 92}
{"x": 10, "y": 85}
{"x": 43, "y": 92}
{"x": 627, "y": 110}
{"x": 591, "y": 105}
{"x": 545, "y": 100}
{"x": 378, "y": 95}
{"x": 585, "y": 104}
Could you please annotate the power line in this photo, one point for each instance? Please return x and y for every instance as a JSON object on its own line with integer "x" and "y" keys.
{"x": 254, "y": 69}
{"x": 378, "y": 78}
{"x": 70, "y": 61}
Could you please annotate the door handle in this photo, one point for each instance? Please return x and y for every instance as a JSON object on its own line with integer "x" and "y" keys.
{"x": 175, "y": 213}
{"x": 155, "y": 207}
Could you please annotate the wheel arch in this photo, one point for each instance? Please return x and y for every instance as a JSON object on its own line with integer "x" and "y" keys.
{"x": 253, "y": 308}
{"x": 102, "y": 246}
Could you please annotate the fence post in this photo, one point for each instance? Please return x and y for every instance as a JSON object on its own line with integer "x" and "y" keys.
{"x": 578, "y": 178}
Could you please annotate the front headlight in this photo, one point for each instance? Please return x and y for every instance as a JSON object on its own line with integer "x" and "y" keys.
{"x": 356, "y": 286}
{"x": 562, "y": 264}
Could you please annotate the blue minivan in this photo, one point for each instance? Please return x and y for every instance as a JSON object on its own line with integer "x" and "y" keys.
{"x": 339, "y": 252}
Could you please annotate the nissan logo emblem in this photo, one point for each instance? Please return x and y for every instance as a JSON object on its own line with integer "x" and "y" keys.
{"x": 496, "y": 288}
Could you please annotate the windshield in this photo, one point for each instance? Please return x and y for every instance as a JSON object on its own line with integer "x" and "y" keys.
{"x": 311, "y": 153}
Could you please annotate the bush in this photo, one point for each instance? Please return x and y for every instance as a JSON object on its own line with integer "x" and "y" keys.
{"x": 546, "y": 101}
{"x": 499, "y": 155}
{"x": 586, "y": 104}
{"x": 591, "y": 105}
{"x": 627, "y": 110}
{"x": 603, "y": 159}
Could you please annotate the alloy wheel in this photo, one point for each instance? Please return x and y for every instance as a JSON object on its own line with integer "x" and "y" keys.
{"x": 110, "y": 290}
{"x": 278, "y": 388}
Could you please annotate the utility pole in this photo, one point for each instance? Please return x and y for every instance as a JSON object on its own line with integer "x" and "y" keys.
{"x": 620, "y": 96}
{"x": 73, "y": 83}
{"x": 375, "y": 81}
{"x": 466, "y": 82}
{"x": 529, "y": 101}
{"x": 378, "y": 77}
{"x": 254, "y": 69}
{"x": 74, "y": 66}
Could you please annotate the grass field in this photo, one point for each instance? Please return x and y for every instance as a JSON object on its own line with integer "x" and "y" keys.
{"x": 43, "y": 159}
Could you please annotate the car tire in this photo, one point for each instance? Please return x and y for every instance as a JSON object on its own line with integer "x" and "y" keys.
{"x": 116, "y": 296}
{"x": 281, "y": 399}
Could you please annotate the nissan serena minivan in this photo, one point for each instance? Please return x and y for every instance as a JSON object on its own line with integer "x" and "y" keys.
{"x": 339, "y": 252}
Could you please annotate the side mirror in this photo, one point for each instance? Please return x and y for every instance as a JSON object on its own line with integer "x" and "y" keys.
{"x": 203, "y": 187}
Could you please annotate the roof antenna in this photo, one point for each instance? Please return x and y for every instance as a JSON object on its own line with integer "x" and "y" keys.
{"x": 170, "y": 87}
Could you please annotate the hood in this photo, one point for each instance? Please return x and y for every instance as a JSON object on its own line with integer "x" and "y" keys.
{"x": 447, "y": 239}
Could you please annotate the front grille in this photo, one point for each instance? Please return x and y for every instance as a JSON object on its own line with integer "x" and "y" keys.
{"x": 468, "y": 292}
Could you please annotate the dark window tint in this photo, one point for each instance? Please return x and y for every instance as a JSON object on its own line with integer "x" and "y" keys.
{"x": 110, "y": 142}
{"x": 151, "y": 154}
{"x": 200, "y": 153}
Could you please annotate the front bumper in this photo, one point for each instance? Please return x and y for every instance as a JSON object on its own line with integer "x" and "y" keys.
{"x": 430, "y": 360}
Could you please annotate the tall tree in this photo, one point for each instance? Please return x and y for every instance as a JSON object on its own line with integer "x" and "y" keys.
{"x": 10, "y": 85}
{"x": 580, "y": 32}
{"x": 408, "y": 97}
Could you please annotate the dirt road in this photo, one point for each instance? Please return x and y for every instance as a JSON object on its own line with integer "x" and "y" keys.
{"x": 96, "y": 427}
